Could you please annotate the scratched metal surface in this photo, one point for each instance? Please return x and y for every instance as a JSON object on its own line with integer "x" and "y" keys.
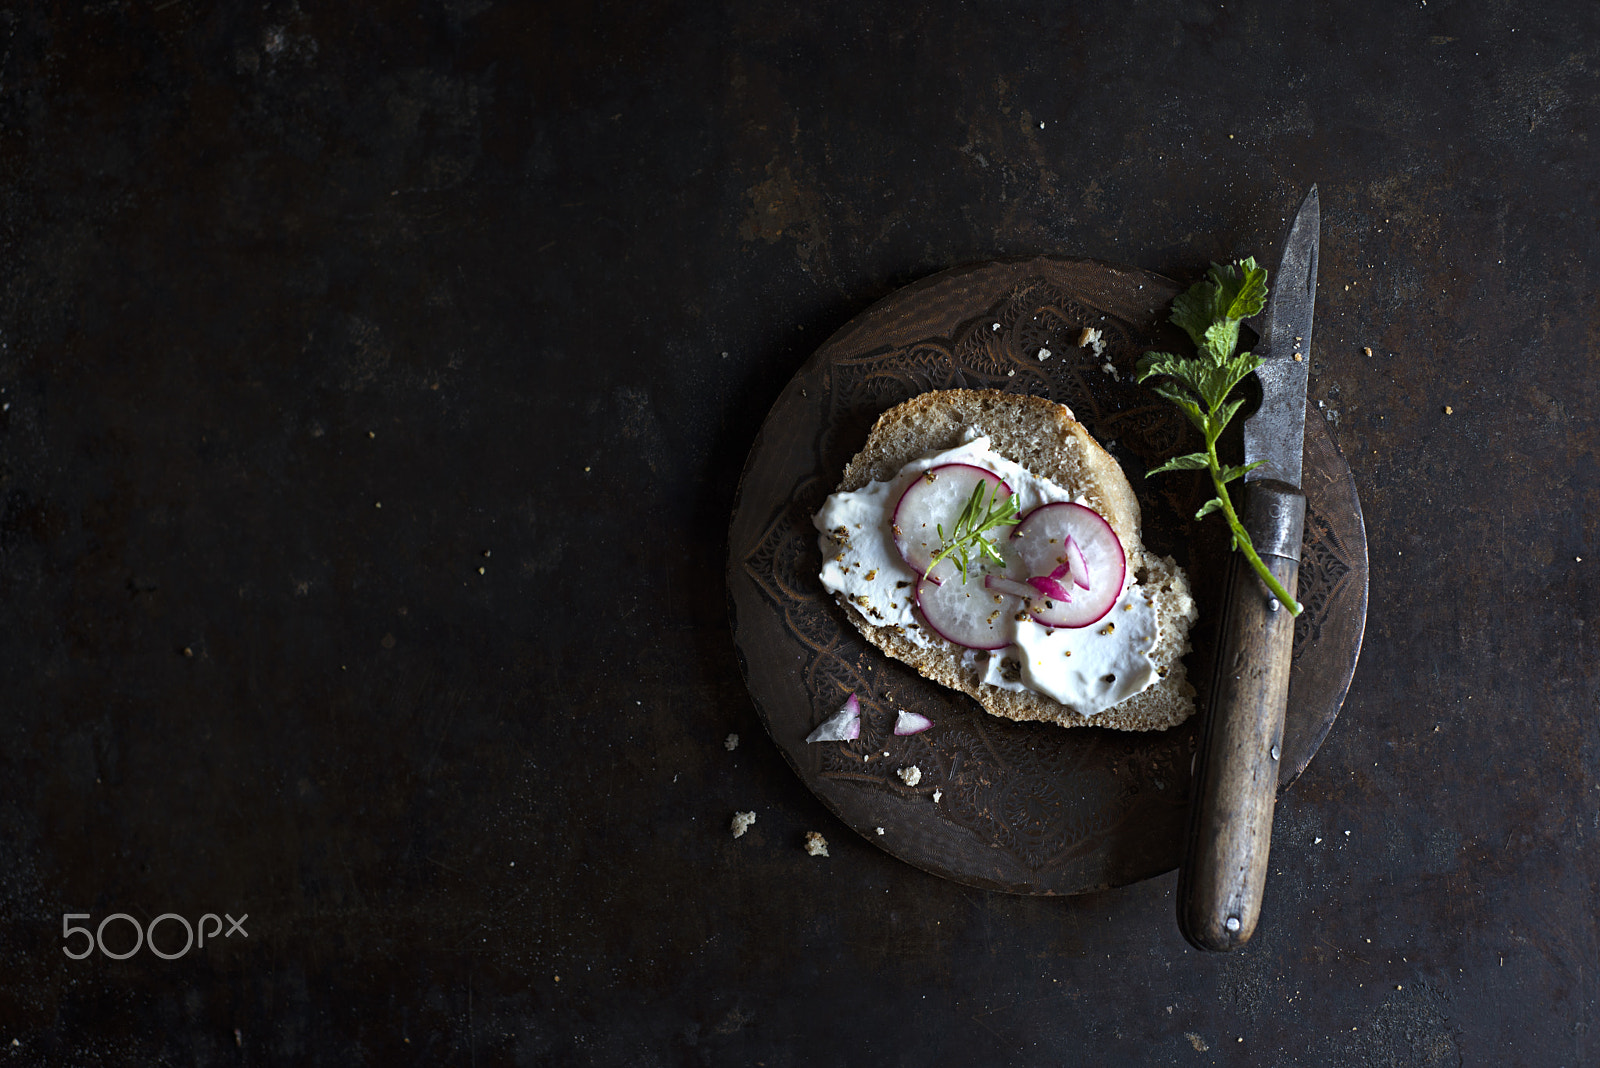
{"x": 309, "y": 315}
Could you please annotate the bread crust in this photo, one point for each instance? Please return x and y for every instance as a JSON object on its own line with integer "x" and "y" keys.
{"x": 1043, "y": 437}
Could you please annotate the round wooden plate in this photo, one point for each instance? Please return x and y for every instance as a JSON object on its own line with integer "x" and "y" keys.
{"x": 1017, "y": 807}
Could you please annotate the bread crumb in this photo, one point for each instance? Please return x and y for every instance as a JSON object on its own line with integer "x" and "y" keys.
{"x": 1090, "y": 339}
{"x": 1366, "y": 350}
{"x": 910, "y": 776}
{"x": 742, "y": 822}
{"x": 816, "y": 845}
{"x": 1449, "y": 410}
{"x": 880, "y": 830}
{"x": 936, "y": 795}
{"x": 731, "y": 742}
{"x": 1044, "y": 354}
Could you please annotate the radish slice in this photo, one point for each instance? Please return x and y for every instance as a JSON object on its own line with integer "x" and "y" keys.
{"x": 910, "y": 723}
{"x": 1053, "y": 536}
{"x": 843, "y": 726}
{"x": 965, "y": 612}
{"x": 935, "y": 498}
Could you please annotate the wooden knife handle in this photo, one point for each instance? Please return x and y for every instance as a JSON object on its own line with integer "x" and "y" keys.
{"x": 1236, "y": 769}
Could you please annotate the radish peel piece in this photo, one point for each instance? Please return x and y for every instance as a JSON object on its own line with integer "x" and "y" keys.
{"x": 1051, "y": 587}
{"x": 910, "y": 723}
{"x": 843, "y": 726}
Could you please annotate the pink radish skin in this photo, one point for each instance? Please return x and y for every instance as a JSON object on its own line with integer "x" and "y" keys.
{"x": 927, "y": 502}
{"x": 1078, "y": 538}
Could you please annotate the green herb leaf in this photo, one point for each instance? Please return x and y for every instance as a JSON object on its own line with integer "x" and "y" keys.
{"x": 1221, "y": 338}
{"x": 1243, "y": 288}
{"x": 977, "y": 518}
{"x": 1195, "y": 461}
{"x": 1210, "y": 312}
{"x": 1177, "y": 396}
{"x": 1156, "y": 363}
{"x": 1231, "y": 473}
{"x": 1195, "y": 310}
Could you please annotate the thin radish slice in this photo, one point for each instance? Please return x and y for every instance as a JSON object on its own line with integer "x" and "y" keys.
{"x": 965, "y": 612}
{"x": 1000, "y": 584}
{"x": 1077, "y": 566}
{"x": 910, "y": 723}
{"x": 1036, "y": 591}
{"x": 1051, "y": 587}
{"x": 843, "y": 726}
{"x": 935, "y": 498}
{"x": 1069, "y": 535}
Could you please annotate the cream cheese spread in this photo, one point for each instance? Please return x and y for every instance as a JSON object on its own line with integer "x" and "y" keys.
{"x": 1089, "y": 669}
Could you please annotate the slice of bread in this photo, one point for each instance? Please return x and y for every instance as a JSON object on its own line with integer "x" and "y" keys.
{"x": 1043, "y": 437}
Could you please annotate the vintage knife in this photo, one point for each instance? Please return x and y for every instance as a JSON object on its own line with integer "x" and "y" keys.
{"x": 1236, "y": 769}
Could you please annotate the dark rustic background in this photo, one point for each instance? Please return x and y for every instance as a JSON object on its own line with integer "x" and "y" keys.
{"x": 375, "y": 382}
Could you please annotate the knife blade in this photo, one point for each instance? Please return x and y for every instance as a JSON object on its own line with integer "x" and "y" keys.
{"x": 1224, "y": 870}
{"x": 1276, "y": 433}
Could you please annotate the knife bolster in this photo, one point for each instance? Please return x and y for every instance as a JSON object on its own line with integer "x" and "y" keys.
{"x": 1275, "y": 517}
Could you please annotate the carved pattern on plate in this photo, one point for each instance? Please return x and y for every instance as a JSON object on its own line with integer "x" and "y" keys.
{"x": 1324, "y": 566}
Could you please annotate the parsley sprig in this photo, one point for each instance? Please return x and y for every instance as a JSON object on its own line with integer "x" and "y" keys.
{"x": 977, "y": 518}
{"x": 1210, "y": 312}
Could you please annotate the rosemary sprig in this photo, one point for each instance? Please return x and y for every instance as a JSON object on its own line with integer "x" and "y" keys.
{"x": 977, "y": 518}
{"x": 1209, "y": 312}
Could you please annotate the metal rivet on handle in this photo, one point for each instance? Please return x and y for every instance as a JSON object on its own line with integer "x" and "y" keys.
{"x": 1232, "y": 924}
{"x": 1275, "y": 752}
